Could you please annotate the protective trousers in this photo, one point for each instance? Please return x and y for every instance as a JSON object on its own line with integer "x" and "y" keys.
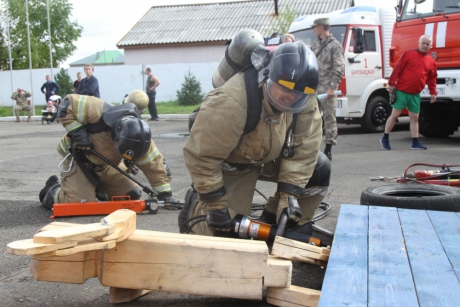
{"x": 240, "y": 186}
{"x": 328, "y": 107}
{"x": 75, "y": 186}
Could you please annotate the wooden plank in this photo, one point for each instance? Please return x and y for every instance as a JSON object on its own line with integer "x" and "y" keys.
{"x": 74, "y": 233}
{"x": 28, "y": 247}
{"x": 83, "y": 246}
{"x": 390, "y": 276}
{"x": 278, "y": 272}
{"x": 293, "y": 296}
{"x": 57, "y": 225}
{"x": 447, "y": 226}
{"x": 345, "y": 281}
{"x": 74, "y": 269}
{"x": 300, "y": 251}
{"x": 436, "y": 283}
{"x": 125, "y": 224}
{"x": 120, "y": 295}
{"x": 192, "y": 264}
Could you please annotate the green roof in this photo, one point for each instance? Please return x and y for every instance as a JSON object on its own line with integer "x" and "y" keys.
{"x": 107, "y": 57}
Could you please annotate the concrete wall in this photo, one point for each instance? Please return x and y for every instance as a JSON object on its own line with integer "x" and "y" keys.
{"x": 114, "y": 81}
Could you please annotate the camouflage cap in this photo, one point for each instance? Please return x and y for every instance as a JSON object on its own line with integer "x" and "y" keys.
{"x": 321, "y": 22}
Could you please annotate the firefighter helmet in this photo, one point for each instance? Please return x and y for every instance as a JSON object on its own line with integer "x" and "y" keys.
{"x": 132, "y": 137}
{"x": 139, "y": 98}
{"x": 293, "y": 77}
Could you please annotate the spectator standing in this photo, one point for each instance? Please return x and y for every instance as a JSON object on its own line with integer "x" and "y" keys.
{"x": 20, "y": 96}
{"x": 150, "y": 89}
{"x": 287, "y": 38}
{"x": 329, "y": 53}
{"x": 414, "y": 69}
{"x": 77, "y": 82}
{"x": 49, "y": 88}
{"x": 89, "y": 86}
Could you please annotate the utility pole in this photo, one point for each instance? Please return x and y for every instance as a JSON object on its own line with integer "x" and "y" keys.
{"x": 30, "y": 55}
{"x": 49, "y": 33}
{"x": 9, "y": 51}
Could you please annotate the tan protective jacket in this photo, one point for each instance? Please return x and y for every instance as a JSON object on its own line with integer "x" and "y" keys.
{"x": 21, "y": 100}
{"x": 85, "y": 110}
{"x": 217, "y": 136}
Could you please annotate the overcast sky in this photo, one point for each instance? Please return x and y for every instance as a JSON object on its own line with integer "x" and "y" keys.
{"x": 105, "y": 22}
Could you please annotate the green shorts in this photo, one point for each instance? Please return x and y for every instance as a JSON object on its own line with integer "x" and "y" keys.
{"x": 408, "y": 101}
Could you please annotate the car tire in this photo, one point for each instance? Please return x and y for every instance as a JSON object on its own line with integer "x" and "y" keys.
{"x": 413, "y": 196}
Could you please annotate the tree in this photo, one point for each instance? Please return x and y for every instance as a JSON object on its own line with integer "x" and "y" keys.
{"x": 63, "y": 33}
{"x": 65, "y": 82}
{"x": 283, "y": 21}
{"x": 190, "y": 92}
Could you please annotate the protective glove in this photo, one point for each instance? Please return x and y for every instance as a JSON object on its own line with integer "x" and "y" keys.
{"x": 219, "y": 220}
{"x": 80, "y": 140}
{"x": 287, "y": 204}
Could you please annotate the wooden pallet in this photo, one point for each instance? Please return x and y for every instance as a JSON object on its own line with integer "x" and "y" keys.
{"x": 385, "y": 256}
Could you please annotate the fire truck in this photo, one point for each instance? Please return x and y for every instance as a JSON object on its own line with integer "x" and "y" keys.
{"x": 373, "y": 40}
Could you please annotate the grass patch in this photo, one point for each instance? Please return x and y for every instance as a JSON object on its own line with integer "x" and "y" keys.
{"x": 168, "y": 107}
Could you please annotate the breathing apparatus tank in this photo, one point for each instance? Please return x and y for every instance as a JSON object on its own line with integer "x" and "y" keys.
{"x": 237, "y": 55}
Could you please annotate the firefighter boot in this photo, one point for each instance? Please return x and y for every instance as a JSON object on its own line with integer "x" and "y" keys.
{"x": 267, "y": 217}
{"x": 46, "y": 195}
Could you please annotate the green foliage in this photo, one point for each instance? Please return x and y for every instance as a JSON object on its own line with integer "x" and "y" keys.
{"x": 283, "y": 21}
{"x": 173, "y": 107}
{"x": 63, "y": 33}
{"x": 190, "y": 93}
{"x": 65, "y": 82}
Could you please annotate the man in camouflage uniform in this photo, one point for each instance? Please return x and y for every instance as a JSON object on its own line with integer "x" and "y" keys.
{"x": 20, "y": 96}
{"x": 329, "y": 54}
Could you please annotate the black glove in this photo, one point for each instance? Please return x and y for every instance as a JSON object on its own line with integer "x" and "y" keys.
{"x": 80, "y": 140}
{"x": 219, "y": 220}
{"x": 293, "y": 211}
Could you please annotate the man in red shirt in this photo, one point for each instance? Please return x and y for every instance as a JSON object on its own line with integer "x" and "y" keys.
{"x": 414, "y": 69}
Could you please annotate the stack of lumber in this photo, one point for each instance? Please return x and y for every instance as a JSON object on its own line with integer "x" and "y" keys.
{"x": 133, "y": 262}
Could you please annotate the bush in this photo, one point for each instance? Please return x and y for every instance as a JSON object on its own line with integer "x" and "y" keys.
{"x": 65, "y": 82}
{"x": 190, "y": 93}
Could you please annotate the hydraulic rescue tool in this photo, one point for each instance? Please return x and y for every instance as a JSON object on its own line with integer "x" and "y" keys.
{"x": 116, "y": 203}
{"x": 444, "y": 176}
{"x": 247, "y": 227}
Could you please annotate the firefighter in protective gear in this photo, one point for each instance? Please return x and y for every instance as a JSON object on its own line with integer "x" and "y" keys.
{"x": 139, "y": 98}
{"x": 225, "y": 163}
{"x": 117, "y": 133}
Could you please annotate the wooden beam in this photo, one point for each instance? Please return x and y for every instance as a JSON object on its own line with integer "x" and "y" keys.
{"x": 74, "y": 269}
{"x": 74, "y": 233}
{"x": 120, "y": 295}
{"x": 300, "y": 251}
{"x": 293, "y": 297}
{"x": 28, "y": 247}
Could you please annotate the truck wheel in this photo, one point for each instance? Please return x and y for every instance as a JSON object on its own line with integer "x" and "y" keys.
{"x": 437, "y": 120}
{"x": 413, "y": 196}
{"x": 377, "y": 112}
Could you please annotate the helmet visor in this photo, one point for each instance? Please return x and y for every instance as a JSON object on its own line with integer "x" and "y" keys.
{"x": 284, "y": 99}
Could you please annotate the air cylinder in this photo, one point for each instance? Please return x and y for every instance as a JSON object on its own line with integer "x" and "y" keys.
{"x": 239, "y": 51}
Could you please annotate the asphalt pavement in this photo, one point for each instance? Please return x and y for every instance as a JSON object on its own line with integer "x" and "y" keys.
{"x": 28, "y": 157}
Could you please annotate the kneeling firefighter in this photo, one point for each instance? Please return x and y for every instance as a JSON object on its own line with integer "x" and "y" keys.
{"x": 119, "y": 135}
{"x": 262, "y": 124}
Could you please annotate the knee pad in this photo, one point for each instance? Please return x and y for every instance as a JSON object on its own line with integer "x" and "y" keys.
{"x": 135, "y": 193}
{"x": 322, "y": 174}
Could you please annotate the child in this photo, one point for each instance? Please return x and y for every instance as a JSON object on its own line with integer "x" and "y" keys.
{"x": 50, "y": 108}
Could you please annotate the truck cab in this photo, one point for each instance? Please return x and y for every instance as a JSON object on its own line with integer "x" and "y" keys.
{"x": 365, "y": 96}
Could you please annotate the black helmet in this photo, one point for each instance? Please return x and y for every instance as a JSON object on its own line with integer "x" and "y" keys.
{"x": 132, "y": 137}
{"x": 292, "y": 77}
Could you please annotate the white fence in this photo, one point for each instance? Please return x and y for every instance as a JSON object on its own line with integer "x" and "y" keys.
{"x": 114, "y": 81}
